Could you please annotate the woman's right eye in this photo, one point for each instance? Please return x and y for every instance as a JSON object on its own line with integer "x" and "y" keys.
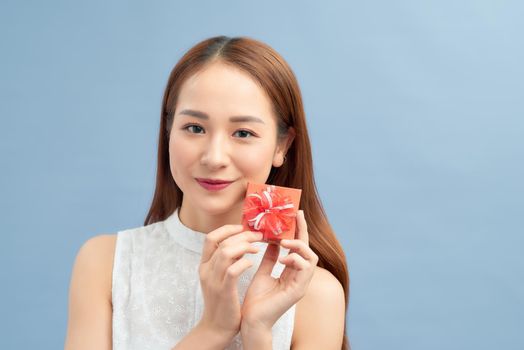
{"x": 196, "y": 128}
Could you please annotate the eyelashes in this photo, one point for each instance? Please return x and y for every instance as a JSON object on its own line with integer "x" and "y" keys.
{"x": 245, "y": 131}
{"x": 192, "y": 125}
{"x": 200, "y": 128}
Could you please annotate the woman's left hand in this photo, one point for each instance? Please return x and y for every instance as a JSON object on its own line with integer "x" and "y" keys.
{"x": 268, "y": 298}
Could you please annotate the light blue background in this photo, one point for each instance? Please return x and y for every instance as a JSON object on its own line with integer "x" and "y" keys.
{"x": 415, "y": 111}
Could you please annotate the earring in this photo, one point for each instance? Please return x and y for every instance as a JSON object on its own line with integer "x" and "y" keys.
{"x": 285, "y": 159}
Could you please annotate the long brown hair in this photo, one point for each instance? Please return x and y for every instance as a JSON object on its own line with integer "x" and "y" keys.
{"x": 275, "y": 76}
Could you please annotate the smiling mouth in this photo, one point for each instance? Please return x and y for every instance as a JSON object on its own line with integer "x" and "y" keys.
{"x": 213, "y": 185}
{"x": 214, "y": 181}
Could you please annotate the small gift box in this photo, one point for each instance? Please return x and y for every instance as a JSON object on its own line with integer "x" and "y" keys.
{"x": 271, "y": 210}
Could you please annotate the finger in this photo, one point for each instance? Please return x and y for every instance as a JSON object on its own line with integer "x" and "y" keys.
{"x": 295, "y": 261}
{"x": 297, "y": 269}
{"x": 224, "y": 257}
{"x": 302, "y": 227}
{"x": 269, "y": 259}
{"x": 215, "y": 237}
{"x": 300, "y": 247}
{"x": 235, "y": 270}
{"x": 246, "y": 236}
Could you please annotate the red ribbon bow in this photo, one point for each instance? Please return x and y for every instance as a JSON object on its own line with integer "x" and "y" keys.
{"x": 269, "y": 212}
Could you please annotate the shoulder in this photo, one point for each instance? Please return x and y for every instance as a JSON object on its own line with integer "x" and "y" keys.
{"x": 320, "y": 314}
{"x": 94, "y": 261}
{"x": 324, "y": 284}
{"x": 99, "y": 243}
{"x": 101, "y": 246}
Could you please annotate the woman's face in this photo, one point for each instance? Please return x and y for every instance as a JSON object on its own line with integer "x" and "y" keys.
{"x": 223, "y": 129}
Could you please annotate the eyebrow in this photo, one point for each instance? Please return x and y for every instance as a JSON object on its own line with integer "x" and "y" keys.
{"x": 233, "y": 119}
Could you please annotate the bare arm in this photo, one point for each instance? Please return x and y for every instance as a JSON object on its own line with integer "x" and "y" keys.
{"x": 90, "y": 309}
{"x": 204, "y": 338}
{"x": 319, "y": 319}
{"x": 256, "y": 339}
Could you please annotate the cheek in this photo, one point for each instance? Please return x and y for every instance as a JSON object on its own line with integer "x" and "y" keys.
{"x": 254, "y": 161}
{"x": 179, "y": 156}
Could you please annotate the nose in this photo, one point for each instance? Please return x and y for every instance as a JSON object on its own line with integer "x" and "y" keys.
{"x": 216, "y": 153}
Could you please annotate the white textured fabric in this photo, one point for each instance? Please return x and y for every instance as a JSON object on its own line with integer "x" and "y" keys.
{"x": 156, "y": 295}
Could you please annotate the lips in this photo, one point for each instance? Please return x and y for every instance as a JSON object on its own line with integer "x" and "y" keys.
{"x": 213, "y": 184}
{"x": 214, "y": 181}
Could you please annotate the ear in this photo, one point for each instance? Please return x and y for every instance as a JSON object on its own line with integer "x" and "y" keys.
{"x": 282, "y": 147}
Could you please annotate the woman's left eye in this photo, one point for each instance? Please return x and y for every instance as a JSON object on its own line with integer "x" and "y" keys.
{"x": 244, "y": 132}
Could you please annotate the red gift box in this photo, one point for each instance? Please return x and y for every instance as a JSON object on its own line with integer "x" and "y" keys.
{"x": 271, "y": 210}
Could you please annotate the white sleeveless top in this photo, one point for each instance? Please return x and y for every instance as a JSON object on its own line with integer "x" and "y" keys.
{"x": 156, "y": 293}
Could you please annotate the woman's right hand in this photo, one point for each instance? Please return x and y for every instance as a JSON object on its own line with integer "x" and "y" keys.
{"x": 221, "y": 264}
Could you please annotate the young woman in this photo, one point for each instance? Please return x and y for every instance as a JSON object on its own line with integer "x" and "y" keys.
{"x": 191, "y": 277}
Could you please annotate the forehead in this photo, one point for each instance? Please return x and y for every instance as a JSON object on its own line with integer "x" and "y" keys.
{"x": 222, "y": 90}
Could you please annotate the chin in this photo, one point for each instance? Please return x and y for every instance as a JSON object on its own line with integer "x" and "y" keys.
{"x": 219, "y": 206}
{"x": 216, "y": 210}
